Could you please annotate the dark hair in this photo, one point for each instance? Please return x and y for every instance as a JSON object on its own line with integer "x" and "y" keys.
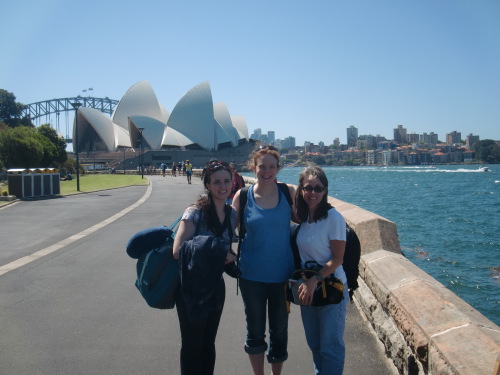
{"x": 205, "y": 203}
{"x": 261, "y": 151}
{"x": 321, "y": 211}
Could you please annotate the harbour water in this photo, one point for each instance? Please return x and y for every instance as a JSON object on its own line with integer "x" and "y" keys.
{"x": 448, "y": 220}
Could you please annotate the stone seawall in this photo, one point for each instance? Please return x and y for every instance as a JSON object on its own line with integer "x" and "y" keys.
{"x": 424, "y": 327}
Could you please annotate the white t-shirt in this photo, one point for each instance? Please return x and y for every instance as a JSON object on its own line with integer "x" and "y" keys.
{"x": 314, "y": 239}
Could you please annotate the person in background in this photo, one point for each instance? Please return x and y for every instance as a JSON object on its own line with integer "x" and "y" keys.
{"x": 163, "y": 168}
{"x": 189, "y": 171}
{"x": 238, "y": 182}
{"x": 266, "y": 262}
{"x": 217, "y": 218}
{"x": 174, "y": 169}
{"x": 321, "y": 238}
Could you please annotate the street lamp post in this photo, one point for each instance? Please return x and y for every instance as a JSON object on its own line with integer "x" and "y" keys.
{"x": 76, "y": 105}
{"x": 140, "y": 157}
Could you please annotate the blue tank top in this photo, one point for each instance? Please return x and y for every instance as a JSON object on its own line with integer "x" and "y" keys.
{"x": 266, "y": 254}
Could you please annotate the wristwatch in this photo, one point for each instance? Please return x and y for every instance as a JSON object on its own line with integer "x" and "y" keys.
{"x": 319, "y": 277}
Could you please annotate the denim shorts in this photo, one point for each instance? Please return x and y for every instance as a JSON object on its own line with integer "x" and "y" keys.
{"x": 262, "y": 299}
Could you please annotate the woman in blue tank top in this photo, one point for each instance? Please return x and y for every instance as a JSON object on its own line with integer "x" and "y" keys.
{"x": 266, "y": 262}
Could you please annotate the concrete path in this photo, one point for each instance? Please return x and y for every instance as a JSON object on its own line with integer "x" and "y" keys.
{"x": 68, "y": 304}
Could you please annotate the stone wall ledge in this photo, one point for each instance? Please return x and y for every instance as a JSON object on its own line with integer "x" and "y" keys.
{"x": 443, "y": 333}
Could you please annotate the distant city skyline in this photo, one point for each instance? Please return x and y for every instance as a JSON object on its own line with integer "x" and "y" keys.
{"x": 263, "y": 136}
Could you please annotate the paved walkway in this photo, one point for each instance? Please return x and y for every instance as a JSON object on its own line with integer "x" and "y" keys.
{"x": 68, "y": 304}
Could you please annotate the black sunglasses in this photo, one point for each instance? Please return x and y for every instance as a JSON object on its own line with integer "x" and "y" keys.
{"x": 268, "y": 147}
{"x": 316, "y": 189}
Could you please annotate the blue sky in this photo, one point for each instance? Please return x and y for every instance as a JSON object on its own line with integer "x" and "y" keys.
{"x": 303, "y": 69}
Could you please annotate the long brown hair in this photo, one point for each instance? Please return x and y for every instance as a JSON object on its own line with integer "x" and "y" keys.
{"x": 321, "y": 212}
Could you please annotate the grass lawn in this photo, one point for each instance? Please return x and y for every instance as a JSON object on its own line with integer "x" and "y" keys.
{"x": 93, "y": 182}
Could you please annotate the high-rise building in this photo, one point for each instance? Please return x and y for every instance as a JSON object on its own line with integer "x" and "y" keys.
{"x": 470, "y": 140}
{"x": 352, "y": 136}
{"x": 453, "y": 137}
{"x": 257, "y": 133}
{"x": 270, "y": 137}
{"x": 336, "y": 142}
{"x": 430, "y": 139}
{"x": 288, "y": 142}
{"x": 412, "y": 138}
{"x": 400, "y": 134}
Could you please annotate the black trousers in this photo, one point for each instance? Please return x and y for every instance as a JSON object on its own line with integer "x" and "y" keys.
{"x": 198, "y": 337}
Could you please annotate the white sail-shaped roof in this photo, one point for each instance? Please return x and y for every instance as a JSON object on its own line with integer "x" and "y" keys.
{"x": 153, "y": 130}
{"x": 240, "y": 125}
{"x": 195, "y": 121}
{"x": 174, "y": 138}
{"x": 102, "y": 124}
{"x": 139, "y": 100}
{"x": 122, "y": 137}
{"x": 193, "y": 116}
{"x": 222, "y": 116}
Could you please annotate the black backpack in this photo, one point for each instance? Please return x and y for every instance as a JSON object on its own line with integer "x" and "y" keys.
{"x": 352, "y": 255}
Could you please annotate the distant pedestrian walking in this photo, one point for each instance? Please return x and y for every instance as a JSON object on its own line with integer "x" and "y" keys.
{"x": 174, "y": 169}
{"x": 163, "y": 167}
{"x": 189, "y": 171}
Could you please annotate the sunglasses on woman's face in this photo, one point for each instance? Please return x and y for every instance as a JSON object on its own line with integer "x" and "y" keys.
{"x": 316, "y": 189}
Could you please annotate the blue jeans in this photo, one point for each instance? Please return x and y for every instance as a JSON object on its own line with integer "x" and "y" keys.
{"x": 324, "y": 327}
{"x": 257, "y": 298}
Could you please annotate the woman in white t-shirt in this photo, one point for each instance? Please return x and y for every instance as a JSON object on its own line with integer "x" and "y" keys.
{"x": 321, "y": 238}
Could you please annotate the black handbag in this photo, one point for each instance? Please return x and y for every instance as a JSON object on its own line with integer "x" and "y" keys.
{"x": 329, "y": 291}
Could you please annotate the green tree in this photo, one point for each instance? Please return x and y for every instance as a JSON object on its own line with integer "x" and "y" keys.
{"x": 24, "y": 147}
{"x": 319, "y": 160}
{"x": 59, "y": 142}
{"x": 487, "y": 151}
{"x": 11, "y": 111}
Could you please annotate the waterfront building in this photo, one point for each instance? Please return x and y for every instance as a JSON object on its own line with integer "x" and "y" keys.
{"x": 336, "y": 142}
{"x": 289, "y": 142}
{"x": 470, "y": 140}
{"x": 469, "y": 156}
{"x": 139, "y": 120}
{"x": 271, "y": 137}
{"x": 400, "y": 134}
{"x": 352, "y": 136}
{"x": 430, "y": 139}
{"x": 453, "y": 138}
{"x": 412, "y": 138}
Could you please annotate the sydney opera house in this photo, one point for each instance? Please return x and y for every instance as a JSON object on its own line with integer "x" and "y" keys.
{"x": 196, "y": 127}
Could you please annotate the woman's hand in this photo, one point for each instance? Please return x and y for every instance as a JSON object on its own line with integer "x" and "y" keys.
{"x": 230, "y": 257}
{"x": 306, "y": 291}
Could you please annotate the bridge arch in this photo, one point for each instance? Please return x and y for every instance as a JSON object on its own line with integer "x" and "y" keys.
{"x": 36, "y": 111}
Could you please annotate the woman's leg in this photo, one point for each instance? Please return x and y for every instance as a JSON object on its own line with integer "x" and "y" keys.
{"x": 254, "y": 296}
{"x": 278, "y": 324}
{"x": 198, "y": 337}
{"x": 310, "y": 321}
{"x": 324, "y": 327}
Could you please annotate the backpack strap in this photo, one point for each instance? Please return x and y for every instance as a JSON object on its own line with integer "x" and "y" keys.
{"x": 242, "y": 230}
{"x": 284, "y": 188}
{"x": 294, "y": 231}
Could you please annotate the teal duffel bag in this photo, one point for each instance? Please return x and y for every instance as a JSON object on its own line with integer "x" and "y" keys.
{"x": 157, "y": 271}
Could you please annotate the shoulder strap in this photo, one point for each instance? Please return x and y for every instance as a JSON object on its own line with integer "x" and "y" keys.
{"x": 243, "y": 204}
{"x": 286, "y": 191}
{"x": 227, "y": 223}
{"x": 294, "y": 231}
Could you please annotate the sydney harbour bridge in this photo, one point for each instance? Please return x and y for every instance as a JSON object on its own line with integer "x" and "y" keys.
{"x": 41, "y": 112}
